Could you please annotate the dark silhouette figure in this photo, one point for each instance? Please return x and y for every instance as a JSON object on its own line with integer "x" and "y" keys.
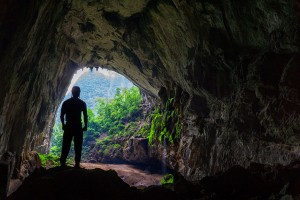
{"x": 71, "y": 124}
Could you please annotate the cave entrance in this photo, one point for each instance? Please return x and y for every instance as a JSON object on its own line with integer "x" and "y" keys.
{"x": 98, "y": 89}
{"x": 115, "y": 138}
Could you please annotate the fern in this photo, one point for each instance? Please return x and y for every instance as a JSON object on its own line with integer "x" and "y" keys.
{"x": 165, "y": 124}
{"x": 155, "y": 126}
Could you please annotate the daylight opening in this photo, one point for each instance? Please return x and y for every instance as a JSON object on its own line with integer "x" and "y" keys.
{"x": 117, "y": 132}
{"x": 110, "y": 98}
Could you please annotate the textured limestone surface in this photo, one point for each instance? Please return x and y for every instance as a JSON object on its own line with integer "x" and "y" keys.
{"x": 232, "y": 66}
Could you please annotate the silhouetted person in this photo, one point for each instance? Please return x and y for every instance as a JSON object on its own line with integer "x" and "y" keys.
{"x": 71, "y": 124}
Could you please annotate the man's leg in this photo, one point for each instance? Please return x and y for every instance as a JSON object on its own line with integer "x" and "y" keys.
{"x": 66, "y": 145}
{"x": 78, "y": 137}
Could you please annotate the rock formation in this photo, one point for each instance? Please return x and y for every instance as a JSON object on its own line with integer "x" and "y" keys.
{"x": 232, "y": 67}
{"x": 81, "y": 184}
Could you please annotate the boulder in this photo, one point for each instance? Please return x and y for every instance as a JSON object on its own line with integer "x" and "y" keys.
{"x": 137, "y": 150}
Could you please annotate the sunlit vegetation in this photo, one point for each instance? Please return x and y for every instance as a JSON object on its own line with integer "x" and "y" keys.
{"x": 50, "y": 160}
{"x": 165, "y": 123}
{"x": 112, "y": 119}
{"x": 167, "y": 179}
{"x": 114, "y": 115}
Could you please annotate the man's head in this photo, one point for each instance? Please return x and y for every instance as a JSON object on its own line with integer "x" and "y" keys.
{"x": 76, "y": 91}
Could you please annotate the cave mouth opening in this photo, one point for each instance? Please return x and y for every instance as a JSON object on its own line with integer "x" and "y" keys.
{"x": 97, "y": 87}
{"x": 116, "y": 124}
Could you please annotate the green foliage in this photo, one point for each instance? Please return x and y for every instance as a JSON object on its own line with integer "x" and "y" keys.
{"x": 156, "y": 125}
{"x": 108, "y": 146}
{"x": 116, "y": 117}
{"x": 167, "y": 179}
{"x": 49, "y": 160}
{"x": 113, "y": 115}
{"x": 57, "y": 135}
{"x": 165, "y": 124}
{"x": 57, "y": 138}
{"x": 121, "y": 117}
{"x": 144, "y": 130}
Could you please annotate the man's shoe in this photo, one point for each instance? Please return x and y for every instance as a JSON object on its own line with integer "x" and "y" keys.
{"x": 77, "y": 166}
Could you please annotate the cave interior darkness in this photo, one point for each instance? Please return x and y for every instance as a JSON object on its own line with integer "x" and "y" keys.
{"x": 232, "y": 68}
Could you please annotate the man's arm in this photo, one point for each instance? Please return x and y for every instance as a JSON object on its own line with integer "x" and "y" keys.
{"x": 85, "y": 118}
{"x": 62, "y": 116}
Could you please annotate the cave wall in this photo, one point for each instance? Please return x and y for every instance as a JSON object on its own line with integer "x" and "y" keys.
{"x": 32, "y": 83}
{"x": 232, "y": 66}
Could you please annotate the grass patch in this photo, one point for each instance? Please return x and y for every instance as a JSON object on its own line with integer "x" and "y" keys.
{"x": 50, "y": 160}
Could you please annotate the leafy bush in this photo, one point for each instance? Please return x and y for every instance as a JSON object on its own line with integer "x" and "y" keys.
{"x": 49, "y": 160}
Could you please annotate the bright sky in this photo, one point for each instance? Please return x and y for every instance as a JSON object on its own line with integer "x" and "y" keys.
{"x": 79, "y": 73}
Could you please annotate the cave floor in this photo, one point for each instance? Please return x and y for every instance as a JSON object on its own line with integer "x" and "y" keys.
{"x": 130, "y": 174}
{"x": 89, "y": 182}
{"x": 109, "y": 181}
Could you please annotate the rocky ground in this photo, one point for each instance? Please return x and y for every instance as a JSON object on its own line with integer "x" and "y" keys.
{"x": 71, "y": 183}
{"x": 256, "y": 182}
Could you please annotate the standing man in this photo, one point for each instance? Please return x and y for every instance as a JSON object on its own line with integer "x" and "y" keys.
{"x": 72, "y": 109}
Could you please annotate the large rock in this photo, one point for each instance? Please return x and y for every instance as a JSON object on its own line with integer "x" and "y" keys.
{"x": 232, "y": 67}
{"x": 137, "y": 150}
